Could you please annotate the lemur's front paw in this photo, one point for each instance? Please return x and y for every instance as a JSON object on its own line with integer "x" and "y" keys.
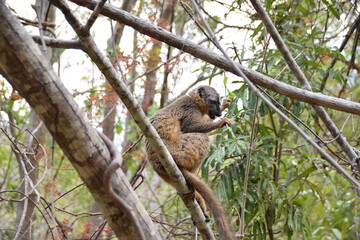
{"x": 226, "y": 102}
{"x": 225, "y": 121}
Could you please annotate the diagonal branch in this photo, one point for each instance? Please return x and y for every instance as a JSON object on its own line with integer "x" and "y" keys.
{"x": 200, "y": 52}
{"x": 281, "y": 45}
{"x": 342, "y": 46}
{"x": 94, "y": 15}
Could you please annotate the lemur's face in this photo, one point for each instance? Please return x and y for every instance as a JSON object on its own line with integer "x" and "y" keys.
{"x": 212, "y": 100}
{"x": 214, "y": 109}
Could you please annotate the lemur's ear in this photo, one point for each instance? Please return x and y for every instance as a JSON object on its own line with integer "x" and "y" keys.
{"x": 201, "y": 92}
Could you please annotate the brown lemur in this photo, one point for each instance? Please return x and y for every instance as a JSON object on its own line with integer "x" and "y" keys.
{"x": 183, "y": 126}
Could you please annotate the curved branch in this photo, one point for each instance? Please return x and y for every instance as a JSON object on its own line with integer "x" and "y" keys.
{"x": 116, "y": 161}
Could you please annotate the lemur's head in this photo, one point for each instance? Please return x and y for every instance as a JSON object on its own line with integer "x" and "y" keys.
{"x": 211, "y": 100}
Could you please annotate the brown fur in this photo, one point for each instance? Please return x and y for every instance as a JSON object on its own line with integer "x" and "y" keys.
{"x": 183, "y": 126}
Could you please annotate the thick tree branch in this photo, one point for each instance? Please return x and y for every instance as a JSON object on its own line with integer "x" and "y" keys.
{"x": 200, "y": 52}
{"x": 26, "y": 69}
{"x": 140, "y": 118}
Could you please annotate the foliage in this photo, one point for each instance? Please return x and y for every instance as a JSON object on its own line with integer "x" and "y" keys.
{"x": 290, "y": 189}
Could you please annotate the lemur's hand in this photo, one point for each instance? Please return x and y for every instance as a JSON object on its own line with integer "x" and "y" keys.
{"x": 225, "y": 103}
{"x": 225, "y": 121}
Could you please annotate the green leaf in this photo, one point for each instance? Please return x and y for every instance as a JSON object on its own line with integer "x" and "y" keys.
{"x": 212, "y": 74}
{"x": 228, "y": 162}
{"x": 311, "y": 63}
{"x": 337, "y": 233}
{"x": 118, "y": 128}
{"x": 340, "y": 78}
{"x": 231, "y": 94}
{"x": 331, "y": 8}
{"x": 225, "y": 80}
{"x": 314, "y": 188}
{"x": 307, "y": 171}
{"x": 302, "y": 9}
{"x": 257, "y": 30}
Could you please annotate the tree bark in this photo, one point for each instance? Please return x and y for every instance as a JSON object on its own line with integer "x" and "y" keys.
{"x": 200, "y": 52}
{"x": 24, "y": 66}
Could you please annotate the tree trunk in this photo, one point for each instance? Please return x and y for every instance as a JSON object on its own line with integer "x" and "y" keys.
{"x": 110, "y": 95}
{"x": 154, "y": 59}
{"x": 23, "y": 65}
{"x": 25, "y": 216}
{"x": 165, "y": 85}
{"x": 128, "y": 126}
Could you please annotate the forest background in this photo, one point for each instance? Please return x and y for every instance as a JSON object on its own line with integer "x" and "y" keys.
{"x": 272, "y": 181}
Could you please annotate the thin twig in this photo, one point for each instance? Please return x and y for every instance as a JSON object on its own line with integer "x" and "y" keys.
{"x": 35, "y": 23}
{"x": 57, "y": 43}
{"x": 341, "y": 48}
{"x": 138, "y": 174}
{"x": 96, "y": 234}
{"x": 352, "y": 60}
{"x": 114, "y": 49}
{"x": 38, "y": 9}
{"x": 65, "y": 193}
{"x": 200, "y": 79}
{"x": 133, "y": 145}
{"x": 247, "y": 170}
{"x": 35, "y": 204}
